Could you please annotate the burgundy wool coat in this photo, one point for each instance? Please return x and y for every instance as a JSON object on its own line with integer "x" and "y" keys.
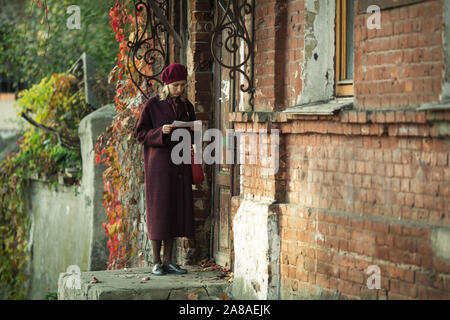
{"x": 168, "y": 187}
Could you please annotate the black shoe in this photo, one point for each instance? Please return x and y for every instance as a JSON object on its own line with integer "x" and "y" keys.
{"x": 158, "y": 270}
{"x": 173, "y": 268}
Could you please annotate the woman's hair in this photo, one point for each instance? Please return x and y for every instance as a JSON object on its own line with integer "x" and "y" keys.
{"x": 164, "y": 93}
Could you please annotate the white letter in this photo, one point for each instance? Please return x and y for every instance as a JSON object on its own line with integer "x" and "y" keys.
{"x": 229, "y": 142}
{"x": 374, "y": 281}
{"x": 275, "y": 150}
{"x": 184, "y": 145}
{"x": 374, "y": 21}
{"x": 198, "y": 129}
{"x": 252, "y": 147}
{"x": 73, "y": 22}
{"x": 73, "y": 281}
{"x": 215, "y": 147}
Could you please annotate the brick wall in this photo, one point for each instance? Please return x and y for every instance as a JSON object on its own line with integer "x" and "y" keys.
{"x": 360, "y": 189}
{"x": 279, "y": 40}
{"x": 200, "y": 93}
{"x": 400, "y": 64}
{"x": 365, "y": 199}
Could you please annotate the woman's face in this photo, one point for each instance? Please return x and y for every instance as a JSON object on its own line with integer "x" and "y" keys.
{"x": 177, "y": 88}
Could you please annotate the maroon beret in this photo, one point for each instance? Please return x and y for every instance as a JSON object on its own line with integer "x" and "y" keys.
{"x": 174, "y": 72}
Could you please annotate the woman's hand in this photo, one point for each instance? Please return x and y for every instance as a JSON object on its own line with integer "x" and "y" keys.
{"x": 167, "y": 128}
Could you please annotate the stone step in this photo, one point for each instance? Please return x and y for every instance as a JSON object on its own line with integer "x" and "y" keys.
{"x": 129, "y": 285}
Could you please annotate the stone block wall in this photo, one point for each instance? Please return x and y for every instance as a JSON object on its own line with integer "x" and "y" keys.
{"x": 66, "y": 223}
{"x": 59, "y": 226}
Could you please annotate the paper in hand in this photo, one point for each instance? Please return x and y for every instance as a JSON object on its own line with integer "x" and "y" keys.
{"x": 183, "y": 124}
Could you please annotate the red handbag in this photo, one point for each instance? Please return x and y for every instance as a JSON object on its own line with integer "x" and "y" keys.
{"x": 197, "y": 171}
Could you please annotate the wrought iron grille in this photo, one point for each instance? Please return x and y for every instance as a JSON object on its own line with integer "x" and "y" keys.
{"x": 232, "y": 23}
{"x": 149, "y": 45}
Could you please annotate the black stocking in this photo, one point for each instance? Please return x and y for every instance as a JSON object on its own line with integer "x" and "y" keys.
{"x": 156, "y": 247}
{"x": 168, "y": 244}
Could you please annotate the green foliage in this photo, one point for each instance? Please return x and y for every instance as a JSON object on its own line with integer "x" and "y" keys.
{"x": 30, "y": 51}
{"x": 51, "y": 296}
{"x": 57, "y": 103}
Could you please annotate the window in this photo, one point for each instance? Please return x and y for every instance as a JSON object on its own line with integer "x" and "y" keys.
{"x": 344, "y": 48}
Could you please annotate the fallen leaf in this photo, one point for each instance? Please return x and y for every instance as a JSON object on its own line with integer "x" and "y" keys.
{"x": 225, "y": 269}
{"x": 212, "y": 268}
{"x": 225, "y": 297}
{"x": 208, "y": 263}
{"x": 192, "y": 296}
{"x": 94, "y": 280}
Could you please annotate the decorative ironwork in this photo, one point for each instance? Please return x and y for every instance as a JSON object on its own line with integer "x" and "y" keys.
{"x": 232, "y": 21}
{"x": 148, "y": 47}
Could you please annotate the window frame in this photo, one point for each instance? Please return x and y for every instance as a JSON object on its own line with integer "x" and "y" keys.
{"x": 343, "y": 87}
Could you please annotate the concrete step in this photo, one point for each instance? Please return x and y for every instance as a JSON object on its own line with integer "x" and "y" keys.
{"x": 129, "y": 285}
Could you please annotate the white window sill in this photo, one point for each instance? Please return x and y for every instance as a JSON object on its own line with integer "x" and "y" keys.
{"x": 321, "y": 108}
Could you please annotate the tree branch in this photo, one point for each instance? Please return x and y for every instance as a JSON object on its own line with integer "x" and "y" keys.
{"x": 64, "y": 141}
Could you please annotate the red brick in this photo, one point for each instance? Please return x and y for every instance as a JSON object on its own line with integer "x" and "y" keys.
{"x": 292, "y": 272}
{"x": 323, "y": 280}
{"x": 408, "y": 289}
{"x": 309, "y": 265}
{"x": 396, "y": 296}
{"x": 390, "y": 116}
{"x": 441, "y": 266}
{"x": 343, "y": 245}
{"x": 301, "y": 275}
{"x": 362, "y": 117}
{"x": 353, "y": 116}
{"x": 349, "y": 288}
{"x": 311, "y": 277}
{"x": 422, "y": 293}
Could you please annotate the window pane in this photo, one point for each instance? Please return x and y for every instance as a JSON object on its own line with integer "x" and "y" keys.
{"x": 349, "y": 36}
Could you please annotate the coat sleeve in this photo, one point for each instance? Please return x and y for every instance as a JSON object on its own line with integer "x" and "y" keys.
{"x": 145, "y": 134}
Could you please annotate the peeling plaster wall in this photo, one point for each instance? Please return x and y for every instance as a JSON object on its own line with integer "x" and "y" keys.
{"x": 60, "y": 235}
{"x": 256, "y": 268}
{"x": 318, "y": 71}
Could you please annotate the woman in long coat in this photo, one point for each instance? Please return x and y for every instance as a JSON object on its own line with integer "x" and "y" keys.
{"x": 168, "y": 187}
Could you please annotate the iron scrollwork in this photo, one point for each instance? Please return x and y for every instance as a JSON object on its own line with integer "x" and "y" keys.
{"x": 232, "y": 21}
{"x": 149, "y": 44}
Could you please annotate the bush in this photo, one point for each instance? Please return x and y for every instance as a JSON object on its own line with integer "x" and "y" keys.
{"x": 57, "y": 106}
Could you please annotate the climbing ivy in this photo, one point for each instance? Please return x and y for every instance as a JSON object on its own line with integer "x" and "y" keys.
{"x": 119, "y": 150}
{"x": 56, "y": 105}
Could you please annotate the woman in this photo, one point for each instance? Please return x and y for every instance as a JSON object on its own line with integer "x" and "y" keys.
{"x": 168, "y": 187}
